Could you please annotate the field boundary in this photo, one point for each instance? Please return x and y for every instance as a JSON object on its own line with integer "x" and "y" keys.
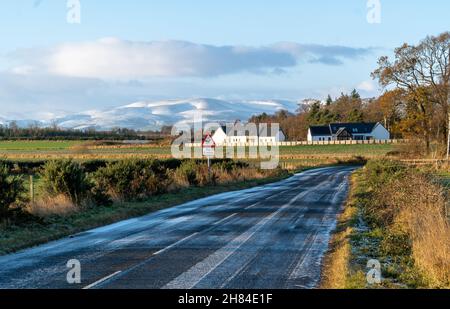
{"x": 307, "y": 143}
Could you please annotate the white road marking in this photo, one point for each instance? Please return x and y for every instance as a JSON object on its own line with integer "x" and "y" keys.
{"x": 190, "y": 278}
{"x": 225, "y": 219}
{"x": 175, "y": 244}
{"x": 101, "y": 280}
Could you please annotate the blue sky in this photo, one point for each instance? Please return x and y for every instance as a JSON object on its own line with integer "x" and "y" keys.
{"x": 249, "y": 49}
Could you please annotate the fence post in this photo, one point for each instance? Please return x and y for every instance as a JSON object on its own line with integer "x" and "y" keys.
{"x": 32, "y": 189}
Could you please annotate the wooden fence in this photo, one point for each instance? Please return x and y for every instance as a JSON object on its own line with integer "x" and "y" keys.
{"x": 307, "y": 143}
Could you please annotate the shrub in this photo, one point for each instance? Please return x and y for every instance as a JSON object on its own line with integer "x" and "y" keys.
{"x": 100, "y": 197}
{"x": 132, "y": 179}
{"x": 65, "y": 177}
{"x": 91, "y": 166}
{"x": 11, "y": 188}
{"x": 188, "y": 172}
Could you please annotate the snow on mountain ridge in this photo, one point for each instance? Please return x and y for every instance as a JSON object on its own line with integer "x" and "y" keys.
{"x": 152, "y": 115}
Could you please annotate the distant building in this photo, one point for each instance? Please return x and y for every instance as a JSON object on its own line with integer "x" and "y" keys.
{"x": 348, "y": 131}
{"x": 233, "y": 137}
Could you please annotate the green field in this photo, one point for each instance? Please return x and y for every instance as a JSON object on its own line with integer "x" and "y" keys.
{"x": 362, "y": 150}
{"x": 8, "y": 146}
{"x": 36, "y": 149}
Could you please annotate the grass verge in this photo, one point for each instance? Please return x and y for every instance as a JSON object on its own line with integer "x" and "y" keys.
{"x": 388, "y": 219}
{"x": 336, "y": 262}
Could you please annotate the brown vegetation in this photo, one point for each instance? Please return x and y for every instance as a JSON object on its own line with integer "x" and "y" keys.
{"x": 409, "y": 206}
{"x": 59, "y": 205}
{"x": 413, "y": 204}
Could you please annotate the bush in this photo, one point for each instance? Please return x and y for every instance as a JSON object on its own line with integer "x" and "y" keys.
{"x": 65, "y": 177}
{"x": 11, "y": 188}
{"x": 188, "y": 172}
{"x": 100, "y": 197}
{"x": 92, "y": 166}
{"x": 132, "y": 179}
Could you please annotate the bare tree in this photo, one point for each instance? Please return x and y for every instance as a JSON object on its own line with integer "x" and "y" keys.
{"x": 426, "y": 65}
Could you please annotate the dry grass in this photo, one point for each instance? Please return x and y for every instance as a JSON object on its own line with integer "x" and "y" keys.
{"x": 411, "y": 204}
{"x": 60, "y": 205}
{"x": 430, "y": 235}
{"x": 421, "y": 212}
{"x": 336, "y": 264}
{"x": 415, "y": 205}
{"x": 431, "y": 249}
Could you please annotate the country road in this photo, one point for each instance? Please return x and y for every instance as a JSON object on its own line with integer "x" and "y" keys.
{"x": 273, "y": 236}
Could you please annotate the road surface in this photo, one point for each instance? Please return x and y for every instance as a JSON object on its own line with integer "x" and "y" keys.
{"x": 273, "y": 236}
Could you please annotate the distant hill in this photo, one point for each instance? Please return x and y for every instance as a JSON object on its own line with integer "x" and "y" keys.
{"x": 152, "y": 115}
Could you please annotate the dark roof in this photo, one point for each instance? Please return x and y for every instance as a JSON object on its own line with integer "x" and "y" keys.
{"x": 320, "y": 130}
{"x": 232, "y": 130}
{"x": 352, "y": 128}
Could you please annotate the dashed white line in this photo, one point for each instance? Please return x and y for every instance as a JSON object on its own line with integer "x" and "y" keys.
{"x": 175, "y": 244}
{"x": 90, "y": 286}
{"x": 225, "y": 219}
{"x": 190, "y": 278}
{"x": 156, "y": 253}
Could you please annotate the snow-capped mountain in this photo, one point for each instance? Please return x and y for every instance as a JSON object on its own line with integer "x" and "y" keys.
{"x": 152, "y": 115}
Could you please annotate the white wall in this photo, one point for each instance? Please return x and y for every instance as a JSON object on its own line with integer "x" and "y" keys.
{"x": 280, "y": 137}
{"x": 219, "y": 137}
{"x": 317, "y": 138}
{"x": 380, "y": 133}
{"x": 236, "y": 139}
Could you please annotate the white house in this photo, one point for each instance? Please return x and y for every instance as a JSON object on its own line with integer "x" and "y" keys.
{"x": 247, "y": 137}
{"x": 348, "y": 131}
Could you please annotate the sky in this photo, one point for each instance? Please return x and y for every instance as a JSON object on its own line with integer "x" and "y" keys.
{"x": 119, "y": 52}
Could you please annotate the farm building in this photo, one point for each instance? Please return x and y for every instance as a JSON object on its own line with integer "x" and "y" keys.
{"x": 233, "y": 136}
{"x": 348, "y": 131}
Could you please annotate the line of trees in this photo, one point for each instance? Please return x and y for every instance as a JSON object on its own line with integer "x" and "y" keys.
{"x": 13, "y": 132}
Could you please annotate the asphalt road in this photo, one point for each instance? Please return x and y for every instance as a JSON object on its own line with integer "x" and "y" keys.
{"x": 273, "y": 236}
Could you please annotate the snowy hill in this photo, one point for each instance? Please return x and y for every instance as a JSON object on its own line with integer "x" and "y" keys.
{"x": 154, "y": 114}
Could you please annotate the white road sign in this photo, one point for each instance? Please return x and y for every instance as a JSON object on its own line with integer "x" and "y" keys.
{"x": 208, "y": 146}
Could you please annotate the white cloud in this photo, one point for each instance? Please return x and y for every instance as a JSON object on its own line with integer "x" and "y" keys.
{"x": 23, "y": 70}
{"x": 367, "y": 86}
{"x": 111, "y": 58}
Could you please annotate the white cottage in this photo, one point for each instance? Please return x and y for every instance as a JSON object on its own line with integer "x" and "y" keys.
{"x": 348, "y": 131}
{"x": 239, "y": 137}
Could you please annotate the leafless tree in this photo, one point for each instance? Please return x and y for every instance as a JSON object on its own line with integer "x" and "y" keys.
{"x": 426, "y": 65}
